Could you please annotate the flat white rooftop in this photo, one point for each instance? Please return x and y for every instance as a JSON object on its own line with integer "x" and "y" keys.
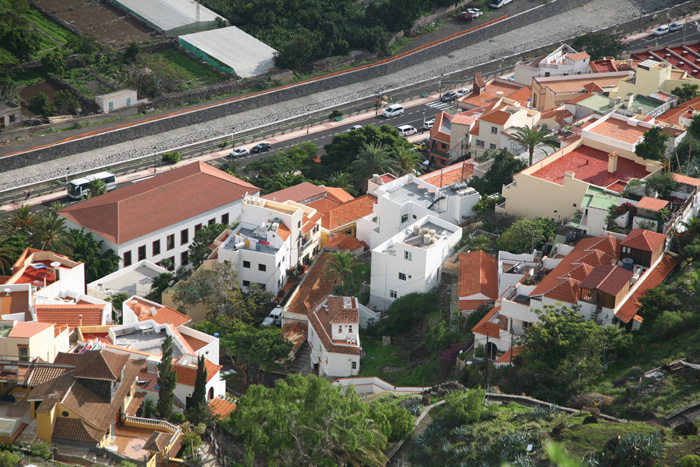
{"x": 169, "y": 14}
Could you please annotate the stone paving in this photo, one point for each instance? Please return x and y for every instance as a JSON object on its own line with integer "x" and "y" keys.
{"x": 594, "y": 15}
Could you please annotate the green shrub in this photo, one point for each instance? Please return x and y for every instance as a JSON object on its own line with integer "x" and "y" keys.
{"x": 223, "y": 144}
{"x": 9, "y": 459}
{"x": 127, "y": 464}
{"x": 171, "y": 158}
{"x": 335, "y": 114}
{"x": 191, "y": 442}
{"x": 463, "y": 408}
{"x": 41, "y": 449}
{"x": 177, "y": 418}
{"x": 689, "y": 461}
{"x": 41, "y": 105}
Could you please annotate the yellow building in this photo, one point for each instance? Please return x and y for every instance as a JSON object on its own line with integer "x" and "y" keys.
{"x": 29, "y": 340}
{"x": 652, "y": 76}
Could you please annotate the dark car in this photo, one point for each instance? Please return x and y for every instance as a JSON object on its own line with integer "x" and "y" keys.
{"x": 261, "y": 147}
{"x": 465, "y": 16}
{"x": 449, "y": 96}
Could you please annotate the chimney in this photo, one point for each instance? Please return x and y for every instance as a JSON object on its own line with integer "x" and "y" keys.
{"x": 499, "y": 94}
{"x": 612, "y": 162}
{"x": 629, "y": 62}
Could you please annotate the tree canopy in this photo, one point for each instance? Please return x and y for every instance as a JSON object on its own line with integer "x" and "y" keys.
{"x": 499, "y": 174}
{"x": 305, "y": 420}
{"x": 203, "y": 239}
{"x": 167, "y": 379}
{"x": 89, "y": 251}
{"x": 599, "y": 45}
{"x": 345, "y": 147}
{"x": 525, "y": 234}
{"x": 686, "y": 92}
{"x": 530, "y": 138}
{"x": 653, "y": 145}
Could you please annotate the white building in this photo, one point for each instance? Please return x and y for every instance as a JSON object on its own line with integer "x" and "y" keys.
{"x": 401, "y": 202}
{"x": 132, "y": 280}
{"x": 411, "y": 260}
{"x": 334, "y": 337}
{"x": 157, "y": 218}
{"x": 271, "y": 239}
{"x": 116, "y": 100}
{"x": 562, "y": 62}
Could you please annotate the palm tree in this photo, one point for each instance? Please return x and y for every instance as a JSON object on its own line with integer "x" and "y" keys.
{"x": 6, "y": 253}
{"x": 531, "y": 137}
{"x": 50, "y": 234}
{"x": 342, "y": 268}
{"x": 97, "y": 187}
{"x": 407, "y": 159}
{"x": 19, "y": 222}
{"x": 343, "y": 180}
{"x": 372, "y": 159}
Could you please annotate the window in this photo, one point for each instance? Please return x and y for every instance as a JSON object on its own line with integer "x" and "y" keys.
{"x": 492, "y": 146}
{"x": 414, "y": 216}
{"x": 184, "y": 236}
{"x": 408, "y": 255}
{"x": 246, "y": 283}
{"x": 354, "y": 365}
{"x": 142, "y": 252}
{"x": 299, "y": 225}
{"x": 170, "y": 242}
{"x": 23, "y": 353}
{"x": 262, "y": 286}
{"x": 184, "y": 258}
{"x": 494, "y": 130}
{"x": 224, "y": 218}
{"x": 404, "y": 218}
{"x": 262, "y": 267}
{"x": 479, "y": 143}
{"x": 127, "y": 258}
{"x": 197, "y": 228}
{"x": 171, "y": 263}
{"x": 340, "y": 329}
{"x": 156, "y": 247}
{"x": 211, "y": 221}
{"x": 393, "y": 294}
{"x": 349, "y": 328}
{"x": 246, "y": 264}
{"x": 402, "y": 276}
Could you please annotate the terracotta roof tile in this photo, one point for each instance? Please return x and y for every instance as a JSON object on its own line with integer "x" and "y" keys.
{"x": 565, "y": 291}
{"x": 187, "y": 375}
{"x": 478, "y": 274}
{"x": 489, "y": 95}
{"x": 579, "y": 98}
{"x": 497, "y": 117}
{"x": 28, "y": 329}
{"x": 450, "y": 175}
{"x": 651, "y": 204}
{"x": 75, "y": 429}
{"x": 577, "y": 56}
{"x": 157, "y": 442}
{"x": 645, "y": 240}
{"x": 193, "y": 342}
{"x": 685, "y": 180}
{"x": 92, "y": 315}
{"x": 470, "y": 305}
{"x": 164, "y": 200}
{"x": 221, "y": 407}
{"x": 505, "y": 358}
{"x": 283, "y": 231}
{"x": 351, "y": 212}
{"x": 160, "y": 314}
{"x": 486, "y": 327}
{"x": 338, "y": 194}
{"x": 324, "y": 207}
{"x": 346, "y": 242}
{"x": 341, "y": 310}
{"x": 653, "y": 279}
{"x": 320, "y": 321}
{"x": 98, "y": 364}
{"x": 607, "y": 278}
{"x": 313, "y": 289}
{"x": 619, "y": 130}
{"x": 298, "y": 193}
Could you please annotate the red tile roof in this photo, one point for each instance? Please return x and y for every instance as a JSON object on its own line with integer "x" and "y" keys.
{"x": 651, "y": 204}
{"x": 497, "y": 117}
{"x": 470, "y": 305}
{"x": 619, "y": 130}
{"x": 92, "y": 315}
{"x": 164, "y": 200}
{"x": 486, "y": 327}
{"x": 506, "y": 357}
{"x": 24, "y": 330}
{"x": 283, "y": 231}
{"x": 577, "y": 56}
{"x": 607, "y": 278}
{"x": 349, "y": 212}
{"x": 297, "y": 193}
{"x": 685, "y": 180}
{"x": 321, "y": 320}
{"x": 221, "y": 407}
{"x": 75, "y": 429}
{"x": 682, "y": 56}
{"x": 346, "y": 242}
{"x": 565, "y": 291}
{"x": 313, "y": 289}
{"x": 478, "y": 274}
{"x": 653, "y": 279}
{"x": 342, "y": 311}
{"x": 193, "y": 342}
{"x": 187, "y": 375}
{"x": 645, "y": 240}
{"x": 95, "y": 364}
{"x": 489, "y": 95}
{"x": 590, "y": 165}
{"x": 324, "y": 207}
{"x": 338, "y": 194}
{"x": 579, "y": 98}
{"x": 160, "y": 314}
{"x": 451, "y": 174}
{"x": 386, "y": 178}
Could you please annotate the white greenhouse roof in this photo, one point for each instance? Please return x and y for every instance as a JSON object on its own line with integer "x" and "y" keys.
{"x": 245, "y": 54}
{"x": 169, "y": 14}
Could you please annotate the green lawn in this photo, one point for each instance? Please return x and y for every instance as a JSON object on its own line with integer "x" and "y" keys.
{"x": 393, "y": 366}
{"x": 190, "y": 68}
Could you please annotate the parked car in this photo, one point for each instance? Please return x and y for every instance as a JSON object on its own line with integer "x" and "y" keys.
{"x": 475, "y": 12}
{"x": 429, "y": 124}
{"x": 393, "y": 110}
{"x": 661, "y": 30}
{"x": 354, "y": 127}
{"x": 449, "y": 96}
{"x": 261, "y": 147}
{"x": 465, "y": 16}
{"x": 460, "y": 92}
{"x": 499, "y": 3}
{"x": 239, "y": 152}
{"x": 421, "y": 145}
{"x": 406, "y": 130}
{"x": 675, "y": 26}
{"x": 275, "y": 317}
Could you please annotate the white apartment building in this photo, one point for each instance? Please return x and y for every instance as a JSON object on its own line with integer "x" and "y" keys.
{"x": 562, "y": 62}
{"x": 411, "y": 260}
{"x": 157, "y": 218}
{"x": 334, "y": 337}
{"x": 271, "y": 239}
{"x": 402, "y": 202}
{"x": 495, "y": 126}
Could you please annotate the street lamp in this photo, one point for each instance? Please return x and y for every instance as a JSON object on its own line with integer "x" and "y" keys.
{"x": 440, "y": 84}
{"x": 502, "y": 60}
{"x": 308, "y": 122}
{"x": 423, "y": 119}
{"x": 376, "y": 104}
{"x": 67, "y": 172}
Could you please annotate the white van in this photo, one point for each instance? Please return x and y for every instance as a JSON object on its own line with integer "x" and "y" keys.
{"x": 406, "y": 130}
{"x": 274, "y": 318}
{"x": 499, "y": 3}
{"x": 392, "y": 111}
{"x": 661, "y": 31}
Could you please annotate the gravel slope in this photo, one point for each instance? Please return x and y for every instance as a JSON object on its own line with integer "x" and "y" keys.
{"x": 592, "y": 16}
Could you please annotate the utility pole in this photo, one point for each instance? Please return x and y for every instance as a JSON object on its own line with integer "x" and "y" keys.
{"x": 486, "y": 363}
{"x": 308, "y": 122}
{"x": 440, "y": 85}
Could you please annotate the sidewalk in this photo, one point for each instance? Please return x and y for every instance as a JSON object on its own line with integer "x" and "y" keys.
{"x": 689, "y": 20}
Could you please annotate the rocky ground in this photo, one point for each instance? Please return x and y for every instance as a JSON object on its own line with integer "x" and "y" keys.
{"x": 594, "y": 15}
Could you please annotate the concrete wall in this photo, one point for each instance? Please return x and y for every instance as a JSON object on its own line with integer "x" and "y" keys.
{"x": 293, "y": 92}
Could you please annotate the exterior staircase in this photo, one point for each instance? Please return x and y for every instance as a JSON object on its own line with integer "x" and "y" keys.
{"x": 302, "y": 362}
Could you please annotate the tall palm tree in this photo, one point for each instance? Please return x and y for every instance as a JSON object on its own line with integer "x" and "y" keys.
{"x": 343, "y": 180}
{"x": 531, "y": 137}
{"x": 407, "y": 159}
{"x": 342, "y": 267}
{"x": 19, "y": 222}
{"x": 97, "y": 187}
{"x": 372, "y": 159}
{"x": 6, "y": 253}
{"x": 50, "y": 234}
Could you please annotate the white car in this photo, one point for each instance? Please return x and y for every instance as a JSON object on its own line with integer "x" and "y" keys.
{"x": 461, "y": 92}
{"x": 406, "y": 130}
{"x": 240, "y": 152}
{"x": 661, "y": 31}
{"x": 475, "y": 12}
{"x": 393, "y": 110}
{"x": 429, "y": 124}
{"x": 354, "y": 127}
{"x": 675, "y": 26}
{"x": 275, "y": 317}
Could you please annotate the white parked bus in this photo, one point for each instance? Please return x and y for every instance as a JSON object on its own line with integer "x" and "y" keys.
{"x": 78, "y": 188}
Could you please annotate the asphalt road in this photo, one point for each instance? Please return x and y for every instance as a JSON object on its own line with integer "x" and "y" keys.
{"x": 692, "y": 33}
